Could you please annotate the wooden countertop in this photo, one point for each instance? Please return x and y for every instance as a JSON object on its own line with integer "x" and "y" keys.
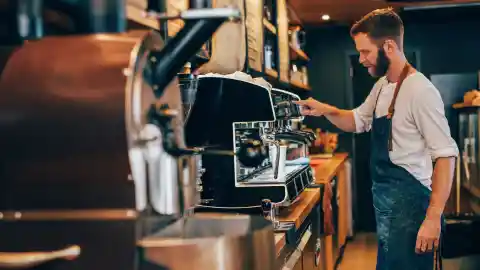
{"x": 326, "y": 168}
{"x": 296, "y": 214}
{"x": 300, "y": 210}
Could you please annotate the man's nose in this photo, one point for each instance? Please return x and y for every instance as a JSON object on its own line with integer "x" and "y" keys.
{"x": 361, "y": 59}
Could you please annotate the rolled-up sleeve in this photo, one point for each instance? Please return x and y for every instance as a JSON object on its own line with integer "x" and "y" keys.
{"x": 429, "y": 115}
{"x": 363, "y": 114}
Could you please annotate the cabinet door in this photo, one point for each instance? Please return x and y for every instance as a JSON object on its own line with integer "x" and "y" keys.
{"x": 473, "y": 149}
{"x": 335, "y": 199}
{"x": 463, "y": 144}
{"x": 475, "y": 152}
{"x": 468, "y": 137}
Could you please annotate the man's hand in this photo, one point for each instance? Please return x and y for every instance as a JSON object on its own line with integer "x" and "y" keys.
{"x": 313, "y": 107}
{"x": 428, "y": 236}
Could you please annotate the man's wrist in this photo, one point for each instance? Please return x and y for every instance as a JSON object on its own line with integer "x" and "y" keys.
{"x": 331, "y": 110}
{"x": 434, "y": 212}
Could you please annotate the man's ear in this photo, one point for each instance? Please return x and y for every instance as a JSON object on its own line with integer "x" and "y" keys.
{"x": 389, "y": 46}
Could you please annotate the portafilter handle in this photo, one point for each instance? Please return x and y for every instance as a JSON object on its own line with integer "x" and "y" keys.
{"x": 251, "y": 153}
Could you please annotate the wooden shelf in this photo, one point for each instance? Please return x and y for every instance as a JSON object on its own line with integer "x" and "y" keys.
{"x": 269, "y": 26}
{"x": 271, "y": 72}
{"x": 299, "y": 84}
{"x": 136, "y": 14}
{"x": 297, "y": 53}
{"x": 463, "y": 105}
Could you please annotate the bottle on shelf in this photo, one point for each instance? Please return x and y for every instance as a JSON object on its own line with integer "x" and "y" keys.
{"x": 304, "y": 75}
{"x": 268, "y": 56}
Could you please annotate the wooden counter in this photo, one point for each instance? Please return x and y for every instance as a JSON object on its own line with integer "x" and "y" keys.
{"x": 325, "y": 170}
{"x": 300, "y": 210}
{"x": 294, "y": 254}
{"x": 296, "y": 214}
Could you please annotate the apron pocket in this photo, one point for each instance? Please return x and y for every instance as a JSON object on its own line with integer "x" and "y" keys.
{"x": 383, "y": 205}
{"x": 382, "y": 212}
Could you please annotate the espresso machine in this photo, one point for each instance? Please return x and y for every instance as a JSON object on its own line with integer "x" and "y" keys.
{"x": 230, "y": 112}
{"x": 94, "y": 169}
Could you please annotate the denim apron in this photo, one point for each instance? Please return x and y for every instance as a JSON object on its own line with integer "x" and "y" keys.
{"x": 399, "y": 199}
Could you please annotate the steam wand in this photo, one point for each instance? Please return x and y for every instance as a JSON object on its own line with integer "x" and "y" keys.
{"x": 270, "y": 139}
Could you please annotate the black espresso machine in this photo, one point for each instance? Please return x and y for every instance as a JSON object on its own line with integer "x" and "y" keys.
{"x": 94, "y": 172}
{"x": 228, "y": 113}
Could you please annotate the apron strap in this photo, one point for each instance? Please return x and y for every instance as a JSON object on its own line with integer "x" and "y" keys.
{"x": 391, "y": 109}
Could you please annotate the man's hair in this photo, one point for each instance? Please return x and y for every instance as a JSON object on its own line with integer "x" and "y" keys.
{"x": 379, "y": 25}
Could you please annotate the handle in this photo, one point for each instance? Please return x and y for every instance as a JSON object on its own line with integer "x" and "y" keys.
{"x": 22, "y": 260}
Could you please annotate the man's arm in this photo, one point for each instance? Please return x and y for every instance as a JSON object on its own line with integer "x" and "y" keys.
{"x": 343, "y": 119}
{"x": 357, "y": 120}
{"x": 441, "y": 185}
{"x": 429, "y": 116}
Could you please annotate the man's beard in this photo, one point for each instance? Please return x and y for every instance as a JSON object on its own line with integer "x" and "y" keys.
{"x": 382, "y": 65}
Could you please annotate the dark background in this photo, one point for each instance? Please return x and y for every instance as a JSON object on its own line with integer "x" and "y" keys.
{"x": 444, "y": 43}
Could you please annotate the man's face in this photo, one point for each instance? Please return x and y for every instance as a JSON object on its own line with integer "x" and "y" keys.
{"x": 371, "y": 56}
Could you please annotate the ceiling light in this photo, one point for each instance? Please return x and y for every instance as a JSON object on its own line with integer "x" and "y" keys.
{"x": 325, "y": 17}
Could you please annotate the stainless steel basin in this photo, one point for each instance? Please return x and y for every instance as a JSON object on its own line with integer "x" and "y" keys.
{"x": 211, "y": 242}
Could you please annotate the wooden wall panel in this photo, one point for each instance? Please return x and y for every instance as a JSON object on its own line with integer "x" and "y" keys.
{"x": 228, "y": 44}
{"x": 254, "y": 24}
{"x": 283, "y": 40}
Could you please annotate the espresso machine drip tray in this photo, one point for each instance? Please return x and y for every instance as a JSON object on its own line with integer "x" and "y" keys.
{"x": 267, "y": 176}
{"x": 295, "y": 181}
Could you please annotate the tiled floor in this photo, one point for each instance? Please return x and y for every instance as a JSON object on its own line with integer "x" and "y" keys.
{"x": 360, "y": 253}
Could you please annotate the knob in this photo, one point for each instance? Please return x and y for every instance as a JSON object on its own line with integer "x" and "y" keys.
{"x": 266, "y": 208}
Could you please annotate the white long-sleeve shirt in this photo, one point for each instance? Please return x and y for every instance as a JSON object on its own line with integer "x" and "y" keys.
{"x": 420, "y": 129}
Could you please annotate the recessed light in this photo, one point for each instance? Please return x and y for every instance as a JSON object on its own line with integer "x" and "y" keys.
{"x": 325, "y": 17}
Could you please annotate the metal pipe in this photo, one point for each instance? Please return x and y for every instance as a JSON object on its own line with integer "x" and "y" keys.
{"x": 200, "y": 3}
{"x": 180, "y": 49}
